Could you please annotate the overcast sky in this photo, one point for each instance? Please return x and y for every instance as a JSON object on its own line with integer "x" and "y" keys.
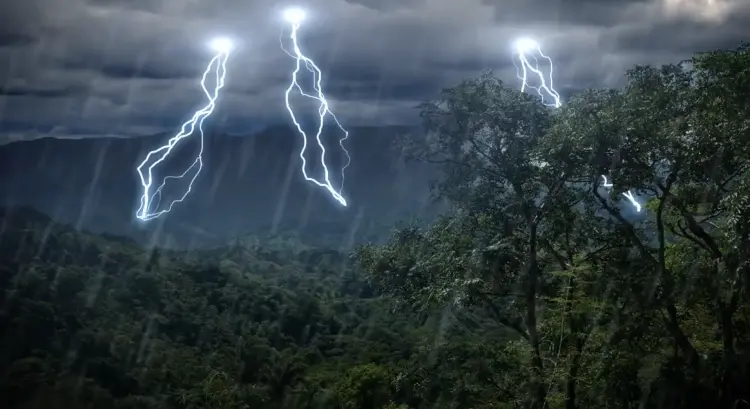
{"x": 131, "y": 67}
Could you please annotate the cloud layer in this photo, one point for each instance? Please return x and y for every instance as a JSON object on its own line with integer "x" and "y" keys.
{"x": 83, "y": 68}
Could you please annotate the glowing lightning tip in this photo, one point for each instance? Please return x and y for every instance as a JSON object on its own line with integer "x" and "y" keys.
{"x": 526, "y": 44}
{"x": 221, "y": 45}
{"x": 294, "y": 15}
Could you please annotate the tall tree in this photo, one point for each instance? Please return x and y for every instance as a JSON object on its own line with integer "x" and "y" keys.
{"x": 678, "y": 136}
{"x": 512, "y": 201}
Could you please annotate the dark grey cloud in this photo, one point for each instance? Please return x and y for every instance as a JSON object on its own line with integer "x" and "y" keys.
{"x": 19, "y": 23}
{"x": 388, "y": 5}
{"x": 131, "y": 67}
{"x": 20, "y": 90}
{"x": 142, "y": 5}
{"x": 148, "y": 67}
{"x": 596, "y": 13}
{"x": 683, "y": 34}
{"x": 15, "y": 39}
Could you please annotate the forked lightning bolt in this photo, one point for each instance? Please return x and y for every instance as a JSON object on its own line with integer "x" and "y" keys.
{"x": 628, "y": 195}
{"x": 524, "y": 49}
{"x": 295, "y": 17}
{"x": 151, "y": 197}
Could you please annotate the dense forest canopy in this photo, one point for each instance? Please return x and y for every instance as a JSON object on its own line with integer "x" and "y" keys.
{"x": 608, "y": 310}
{"x": 541, "y": 289}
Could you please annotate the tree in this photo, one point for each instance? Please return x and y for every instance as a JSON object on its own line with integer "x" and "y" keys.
{"x": 365, "y": 386}
{"x": 678, "y": 135}
{"x": 511, "y": 198}
{"x": 537, "y": 241}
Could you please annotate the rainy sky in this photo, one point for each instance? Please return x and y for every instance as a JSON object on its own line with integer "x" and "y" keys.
{"x": 81, "y": 68}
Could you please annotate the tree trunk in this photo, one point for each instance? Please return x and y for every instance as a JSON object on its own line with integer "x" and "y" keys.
{"x": 532, "y": 282}
{"x": 570, "y": 384}
{"x": 575, "y": 364}
{"x": 673, "y": 326}
{"x": 729, "y": 358}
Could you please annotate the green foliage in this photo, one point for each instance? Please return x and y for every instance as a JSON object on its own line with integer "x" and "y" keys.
{"x": 601, "y": 307}
{"x": 92, "y": 321}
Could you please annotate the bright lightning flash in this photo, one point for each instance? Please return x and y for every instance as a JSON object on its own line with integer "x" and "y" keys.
{"x": 628, "y": 195}
{"x": 295, "y": 17}
{"x": 524, "y": 49}
{"x": 151, "y": 198}
{"x": 527, "y": 50}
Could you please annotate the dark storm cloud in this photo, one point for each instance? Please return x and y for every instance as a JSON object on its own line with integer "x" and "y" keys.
{"x": 16, "y": 91}
{"x": 148, "y": 71}
{"x": 683, "y": 34}
{"x": 144, "y": 67}
{"x": 131, "y": 67}
{"x": 15, "y": 39}
{"x": 143, "y": 5}
{"x": 19, "y": 23}
{"x": 373, "y": 91}
{"x": 584, "y": 12}
{"x": 387, "y": 5}
{"x": 369, "y": 82}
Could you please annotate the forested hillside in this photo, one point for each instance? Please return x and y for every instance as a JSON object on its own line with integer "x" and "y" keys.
{"x": 95, "y": 322}
{"x": 89, "y": 321}
{"x": 542, "y": 289}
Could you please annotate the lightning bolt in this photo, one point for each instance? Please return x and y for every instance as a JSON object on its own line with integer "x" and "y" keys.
{"x": 524, "y": 48}
{"x": 295, "y": 17}
{"x": 151, "y": 199}
{"x": 628, "y": 195}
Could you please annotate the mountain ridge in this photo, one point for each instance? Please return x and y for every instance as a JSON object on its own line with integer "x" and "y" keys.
{"x": 250, "y": 184}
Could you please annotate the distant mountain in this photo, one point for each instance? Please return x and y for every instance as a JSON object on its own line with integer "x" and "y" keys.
{"x": 246, "y": 186}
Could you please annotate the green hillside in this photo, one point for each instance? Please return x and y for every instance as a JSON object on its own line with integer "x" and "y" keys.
{"x": 95, "y": 322}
